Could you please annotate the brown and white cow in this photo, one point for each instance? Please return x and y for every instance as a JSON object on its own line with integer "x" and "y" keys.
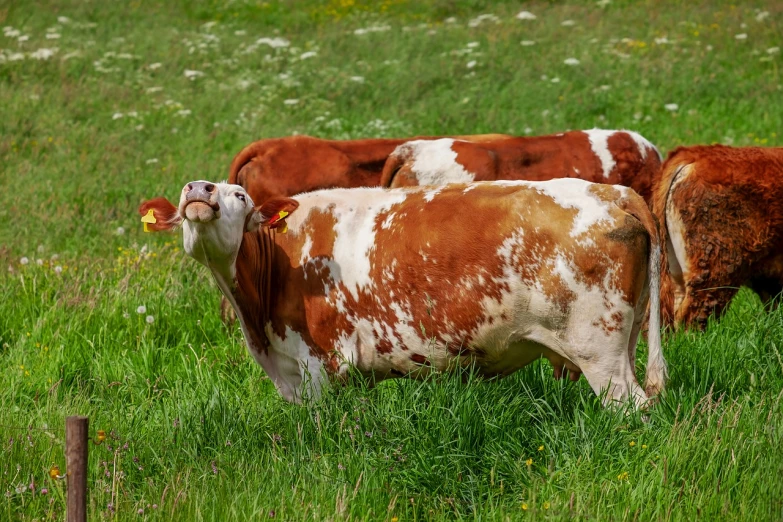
{"x": 597, "y": 155}
{"x": 723, "y": 213}
{"x": 395, "y": 282}
{"x": 294, "y": 164}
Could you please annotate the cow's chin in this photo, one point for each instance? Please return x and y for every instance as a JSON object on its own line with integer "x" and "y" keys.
{"x": 199, "y": 212}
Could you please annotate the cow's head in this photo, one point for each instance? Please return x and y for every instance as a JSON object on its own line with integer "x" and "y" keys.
{"x": 214, "y": 217}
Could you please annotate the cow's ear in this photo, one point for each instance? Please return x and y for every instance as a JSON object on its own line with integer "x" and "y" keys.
{"x": 274, "y": 212}
{"x": 159, "y": 214}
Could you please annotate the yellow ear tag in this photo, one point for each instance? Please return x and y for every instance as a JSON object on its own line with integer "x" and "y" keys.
{"x": 282, "y": 214}
{"x": 285, "y": 228}
{"x": 149, "y": 217}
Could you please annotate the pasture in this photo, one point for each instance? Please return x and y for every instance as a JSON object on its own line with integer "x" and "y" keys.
{"x": 103, "y": 105}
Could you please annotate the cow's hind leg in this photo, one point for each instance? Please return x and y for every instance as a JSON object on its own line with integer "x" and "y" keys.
{"x": 607, "y": 366}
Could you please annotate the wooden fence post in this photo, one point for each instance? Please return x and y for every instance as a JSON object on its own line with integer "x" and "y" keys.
{"x": 76, "y": 429}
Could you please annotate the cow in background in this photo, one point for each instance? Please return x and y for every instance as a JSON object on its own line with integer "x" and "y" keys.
{"x": 722, "y": 210}
{"x": 294, "y": 164}
{"x": 597, "y": 155}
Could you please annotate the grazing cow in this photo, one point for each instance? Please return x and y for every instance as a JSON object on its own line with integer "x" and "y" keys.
{"x": 723, "y": 218}
{"x": 601, "y": 156}
{"x": 295, "y": 164}
{"x": 395, "y": 282}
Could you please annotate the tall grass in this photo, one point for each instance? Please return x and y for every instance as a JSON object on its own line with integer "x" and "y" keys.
{"x": 196, "y": 431}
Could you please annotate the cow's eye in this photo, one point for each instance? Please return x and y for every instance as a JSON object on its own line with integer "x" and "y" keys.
{"x": 240, "y": 196}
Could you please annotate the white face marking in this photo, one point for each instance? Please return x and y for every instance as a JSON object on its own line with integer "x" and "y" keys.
{"x": 216, "y": 242}
{"x": 434, "y": 162}
{"x": 599, "y": 142}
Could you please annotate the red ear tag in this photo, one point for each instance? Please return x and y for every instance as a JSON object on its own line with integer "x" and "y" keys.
{"x": 276, "y": 219}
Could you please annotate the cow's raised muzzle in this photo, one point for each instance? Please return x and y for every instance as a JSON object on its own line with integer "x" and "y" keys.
{"x": 204, "y": 194}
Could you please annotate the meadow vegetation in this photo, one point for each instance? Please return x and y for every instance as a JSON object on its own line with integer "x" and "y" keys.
{"x": 105, "y": 104}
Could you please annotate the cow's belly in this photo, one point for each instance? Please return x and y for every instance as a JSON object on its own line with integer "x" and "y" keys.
{"x": 498, "y": 342}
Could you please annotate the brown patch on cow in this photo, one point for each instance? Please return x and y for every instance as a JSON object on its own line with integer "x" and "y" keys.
{"x": 420, "y": 359}
{"x": 729, "y": 202}
{"x": 542, "y": 158}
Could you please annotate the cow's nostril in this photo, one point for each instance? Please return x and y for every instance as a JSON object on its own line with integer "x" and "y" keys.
{"x": 189, "y": 188}
{"x": 210, "y": 188}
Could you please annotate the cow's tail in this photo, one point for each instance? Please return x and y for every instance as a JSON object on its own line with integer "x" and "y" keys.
{"x": 671, "y": 171}
{"x": 393, "y": 164}
{"x": 657, "y": 373}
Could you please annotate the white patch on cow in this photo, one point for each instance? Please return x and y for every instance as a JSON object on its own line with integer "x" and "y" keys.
{"x": 434, "y": 162}
{"x": 679, "y": 267}
{"x": 576, "y": 170}
{"x": 599, "y": 142}
{"x": 387, "y": 223}
{"x": 308, "y": 244}
{"x": 355, "y": 212}
{"x": 643, "y": 144}
{"x": 430, "y": 194}
{"x": 574, "y": 193}
{"x": 299, "y": 374}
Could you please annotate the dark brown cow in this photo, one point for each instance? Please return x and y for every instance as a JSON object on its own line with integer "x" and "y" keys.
{"x": 296, "y": 164}
{"x": 596, "y": 155}
{"x": 723, "y": 213}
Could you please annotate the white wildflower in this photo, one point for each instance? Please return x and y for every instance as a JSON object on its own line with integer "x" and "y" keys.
{"x": 274, "y": 43}
{"x": 471, "y": 64}
{"x": 567, "y": 23}
{"x": 55, "y": 257}
{"x": 472, "y": 45}
{"x": 58, "y": 269}
{"x": 150, "y": 319}
{"x": 773, "y": 50}
{"x": 15, "y": 57}
{"x": 151, "y": 161}
{"x": 241, "y": 32}
{"x": 525, "y": 15}
{"x": 126, "y": 315}
{"x": 603, "y": 3}
{"x": 153, "y": 66}
{"x": 39, "y": 262}
{"x": 662, "y": 40}
{"x": 308, "y": 54}
{"x": 741, "y": 36}
{"x": 605, "y": 87}
{"x": 709, "y": 48}
{"x": 571, "y": 61}
{"x": 357, "y": 79}
{"x": 43, "y": 53}
{"x": 141, "y": 310}
{"x": 120, "y": 231}
{"x": 139, "y": 127}
{"x": 116, "y": 116}
{"x": 527, "y": 130}
{"x": 372, "y": 29}
{"x": 762, "y": 15}
{"x": 528, "y": 43}
{"x": 151, "y": 90}
{"x": 291, "y": 101}
{"x": 192, "y": 75}
{"x": 482, "y": 18}
{"x": 671, "y": 107}
{"x": 132, "y": 114}
{"x": 450, "y": 20}
{"x": 63, "y": 19}
{"x": 24, "y": 261}
{"x": 555, "y": 80}
{"x": 637, "y": 116}
{"x": 41, "y": 249}
{"x": 52, "y": 36}
{"x": 183, "y": 112}
{"x": 23, "y": 38}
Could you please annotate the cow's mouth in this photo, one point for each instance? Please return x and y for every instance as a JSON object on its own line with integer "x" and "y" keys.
{"x": 201, "y": 211}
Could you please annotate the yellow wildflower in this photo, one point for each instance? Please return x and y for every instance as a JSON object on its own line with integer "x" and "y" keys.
{"x": 524, "y": 506}
{"x": 632, "y": 443}
{"x": 546, "y": 505}
{"x": 529, "y": 462}
{"x": 541, "y": 448}
{"x": 623, "y": 476}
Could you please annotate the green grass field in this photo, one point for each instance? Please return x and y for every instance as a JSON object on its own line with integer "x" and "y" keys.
{"x": 104, "y": 104}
